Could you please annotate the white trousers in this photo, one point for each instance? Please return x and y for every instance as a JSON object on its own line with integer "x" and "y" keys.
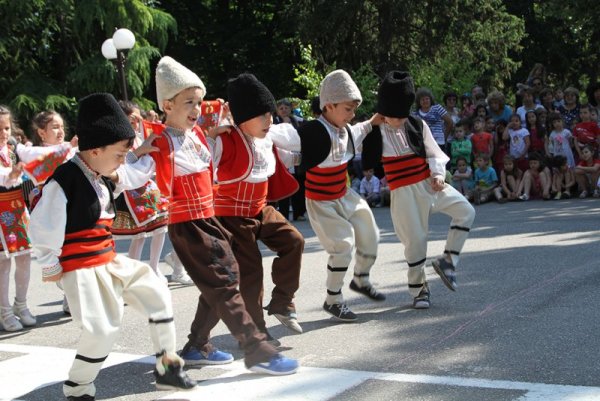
{"x": 411, "y": 207}
{"x": 344, "y": 226}
{"x": 96, "y": 298}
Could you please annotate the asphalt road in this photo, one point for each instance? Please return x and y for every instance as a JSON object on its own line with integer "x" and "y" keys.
{"x": 523, "y": 324}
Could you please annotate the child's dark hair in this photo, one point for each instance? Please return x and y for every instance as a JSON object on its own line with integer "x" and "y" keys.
{"x": 480, "y": 106}
{"x": 41, "y": 121}
{"x": 537, "y": 156}
{"x": 462, "y": 158}
{"x": 590, "y": 148}
{"x": 463, "y": 122}
{"x": 484, "y": 156}
{"x": 128, "y": 106}
{"x": 510, "y": 159}
{"x": 586, "y": 106}
{"x": 554, "y": 116}
{"x": 557, "y": 161}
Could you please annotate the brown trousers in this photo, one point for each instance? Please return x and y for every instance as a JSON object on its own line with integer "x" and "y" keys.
{"x": 270, "y": 227}
{"x": 204, "y": 248}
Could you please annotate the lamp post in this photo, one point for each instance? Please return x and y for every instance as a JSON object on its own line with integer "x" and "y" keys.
{"x": 115, "y": 49}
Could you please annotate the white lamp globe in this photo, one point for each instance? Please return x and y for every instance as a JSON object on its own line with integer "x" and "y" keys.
{"x": 124, "y": 39}
{"x": 109, "y": 51}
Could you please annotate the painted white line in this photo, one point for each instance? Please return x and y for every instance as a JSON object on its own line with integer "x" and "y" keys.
{"x": 44, "y": 366}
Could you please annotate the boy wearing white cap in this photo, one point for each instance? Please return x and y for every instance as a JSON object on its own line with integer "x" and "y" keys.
{"x": 70, "y": 230}
{"x": 183, "y": 174}
{"x": 414, "y": 167}
{"x": 342, "y": 220}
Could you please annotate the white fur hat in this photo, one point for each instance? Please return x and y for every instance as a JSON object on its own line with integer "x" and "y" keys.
{"x": 336, "y": 87}
{"x": 172, "y": 77}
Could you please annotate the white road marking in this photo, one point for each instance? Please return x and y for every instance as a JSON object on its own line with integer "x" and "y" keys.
{"x": 44, "y": 366}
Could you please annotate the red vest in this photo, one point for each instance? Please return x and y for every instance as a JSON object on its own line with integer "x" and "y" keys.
{"x": 88, "y": 248}
{"x": 190, "y": 196}
{"x": 234, "y": 196}
{"x": 326, "y": 183}
{"x": 401, "y": 171}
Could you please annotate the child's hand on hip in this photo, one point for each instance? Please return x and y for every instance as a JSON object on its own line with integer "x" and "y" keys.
{"x": 437, "y": 183}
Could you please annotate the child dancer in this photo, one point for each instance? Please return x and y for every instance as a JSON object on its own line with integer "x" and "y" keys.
{"x": 415, "y": 170}
{"x": 183, "y": 174}
{"x": 13, "y": 233}
{"x": 70, "y": 229}
{"x": 142, "y": 212}
{"x": 342, "y": 220}
{"x": 249, "y": 174}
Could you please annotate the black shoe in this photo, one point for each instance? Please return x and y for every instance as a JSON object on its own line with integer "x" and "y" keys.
{"x": 84, "y": 397}
{"x": 340, "y": 312}
{"x": 367, "y": 290}
{"x": 174, "y": 378}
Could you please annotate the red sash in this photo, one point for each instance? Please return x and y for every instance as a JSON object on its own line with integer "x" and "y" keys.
{"x": 326, "y": 183}
{"x": 401, "y": 171}
{"x": 88, "y": 248}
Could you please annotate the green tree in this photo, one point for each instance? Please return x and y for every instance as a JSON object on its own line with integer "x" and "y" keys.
{"x": 479, "y": 37}
{"x": 50, "y": 51}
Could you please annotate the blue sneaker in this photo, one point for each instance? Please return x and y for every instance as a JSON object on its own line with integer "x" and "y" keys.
{"x": 193, "y": 357}
{"x": 278, "y": 365}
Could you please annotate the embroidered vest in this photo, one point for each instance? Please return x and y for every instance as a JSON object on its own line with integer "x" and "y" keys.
{"x": 234, "y": 196}
{"x": 88, "y": 241}
{"x": 190, "y": 196}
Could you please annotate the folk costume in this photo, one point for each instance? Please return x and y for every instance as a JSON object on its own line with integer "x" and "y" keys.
{"x": 183, "y": 175}
{"x": 410, "y": 157}
{"x": 342, "y": 220}
{"x": 250, "y": 173}
{"x": 70, "y": 228}
{"x": 14, "y": 242}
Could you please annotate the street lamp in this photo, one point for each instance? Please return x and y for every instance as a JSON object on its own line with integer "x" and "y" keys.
{"x": 115, "y": 49}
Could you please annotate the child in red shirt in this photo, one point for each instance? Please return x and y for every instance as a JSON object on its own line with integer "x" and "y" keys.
{"x": 586, "y": 132}
{"x": 587, "y": 173}
{"x": 483, "y": 142}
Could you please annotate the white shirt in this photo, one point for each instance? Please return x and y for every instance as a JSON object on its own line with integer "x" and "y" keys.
{"x": 395, "y": 143}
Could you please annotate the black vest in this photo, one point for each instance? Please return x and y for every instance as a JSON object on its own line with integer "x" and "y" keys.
{"x": 315, "y": 143}
{"x": 83, "y": 205}
{"x": 372, "y": 149}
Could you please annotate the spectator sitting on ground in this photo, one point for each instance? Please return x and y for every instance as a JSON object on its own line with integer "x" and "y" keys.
{"x": 536, "y": 180}
{"x": 369, "y": 188}
{"x": 587, "y": 173}
{"x": 563, "y": 179}
{"x": 486, "y": 179}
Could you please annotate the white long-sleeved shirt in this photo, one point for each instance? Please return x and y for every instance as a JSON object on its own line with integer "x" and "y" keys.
{"x": 395, "y": 143}
{"x": 339, "y": 152}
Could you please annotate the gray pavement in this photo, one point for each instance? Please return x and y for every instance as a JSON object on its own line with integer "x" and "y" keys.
{"x": 523, "y": 324}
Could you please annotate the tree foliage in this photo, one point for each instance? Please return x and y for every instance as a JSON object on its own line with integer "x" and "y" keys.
{"x": 51, "y": 56}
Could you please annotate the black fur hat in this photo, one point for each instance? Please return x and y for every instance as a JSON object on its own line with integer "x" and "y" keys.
{"x": 396, "y": 95}
{"x": 101, "y": 122}
{"x": 248, "y": 98}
